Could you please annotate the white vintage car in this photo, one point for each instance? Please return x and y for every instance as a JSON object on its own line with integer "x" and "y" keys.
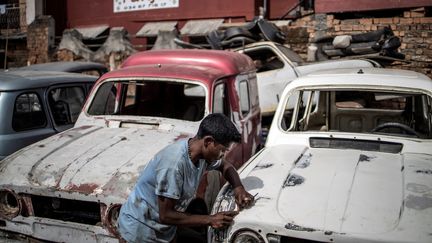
{"x": 278, "y": 65}
{"x": 348, "y": 159}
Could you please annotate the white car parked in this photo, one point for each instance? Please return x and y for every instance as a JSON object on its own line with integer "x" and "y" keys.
{"x": 348, "y": 159}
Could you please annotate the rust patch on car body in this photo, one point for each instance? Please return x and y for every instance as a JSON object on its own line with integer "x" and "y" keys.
{"x": 181, "y": 136}
{"x": 83, "y": 188}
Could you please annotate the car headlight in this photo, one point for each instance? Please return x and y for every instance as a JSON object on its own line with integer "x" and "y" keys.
{"x": 10, "y": 205}
{"x": 247, "y": 237}
{"x": 225, "y": 201}
{"x": 112, "y": 217}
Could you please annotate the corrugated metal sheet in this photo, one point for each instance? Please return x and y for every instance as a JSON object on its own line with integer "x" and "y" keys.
{"x": 200, "y": 27}
{"x": 92, "y": 31}
{"x": 152, "y": 28}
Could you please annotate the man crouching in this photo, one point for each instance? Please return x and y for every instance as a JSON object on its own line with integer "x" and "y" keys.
{"x": 157, "y": 203}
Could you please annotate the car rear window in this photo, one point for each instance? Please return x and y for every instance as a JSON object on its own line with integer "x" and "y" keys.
{"x": 28, "y": 113}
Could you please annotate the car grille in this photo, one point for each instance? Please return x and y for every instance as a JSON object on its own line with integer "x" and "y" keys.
{"x": 67, "y": 210}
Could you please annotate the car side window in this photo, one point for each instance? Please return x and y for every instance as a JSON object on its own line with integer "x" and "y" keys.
{"x": 28, "y": 113}
{"x": 65, "y": 104}
{"x": 244, "y": 97}
{"x": 220, "y": 100}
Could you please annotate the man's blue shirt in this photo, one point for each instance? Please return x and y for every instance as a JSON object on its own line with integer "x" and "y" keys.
{"x": 171, "y": 174}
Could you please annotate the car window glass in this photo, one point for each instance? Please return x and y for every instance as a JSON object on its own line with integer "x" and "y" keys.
{"x": 288, "y": 114}
{"x": 220, "y": 100}
{"x": 28, "y": 113}
{"x": 65, "y": 104}
{"x": 176, "y": 100}
{"x": 244, "y": 97}
{"x": 103, "y": 102}
{"x": 265, "y": 59}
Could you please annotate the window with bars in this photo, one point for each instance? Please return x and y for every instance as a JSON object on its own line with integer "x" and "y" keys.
{"x": 9, "y": 14}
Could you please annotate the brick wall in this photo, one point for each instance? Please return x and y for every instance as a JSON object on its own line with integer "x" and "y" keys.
{"x": 413, "y": 29}
{"x": 40, "y": 39}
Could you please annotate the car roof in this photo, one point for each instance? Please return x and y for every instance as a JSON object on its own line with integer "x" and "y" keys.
{"x": 63, "y": 66}
{"x": 231, "y": 63}
{"x": 19, "y": 80}
{"x": 378, "y": 77}
{"x": 205, "y": 75}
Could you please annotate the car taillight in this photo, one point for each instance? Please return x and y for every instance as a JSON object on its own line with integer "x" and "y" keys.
{"x": 10, "y": 205}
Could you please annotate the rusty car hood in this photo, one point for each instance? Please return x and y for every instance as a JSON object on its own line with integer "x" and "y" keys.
{"x": 87, "y": 160}
{"x": 352, "y": 192}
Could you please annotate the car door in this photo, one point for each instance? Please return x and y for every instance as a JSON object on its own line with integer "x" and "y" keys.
{"x": 247, "y": 114}
{"x": 222, "y": 104}
{"x": 65, "y": 103}
{"x": 26, "y": 118}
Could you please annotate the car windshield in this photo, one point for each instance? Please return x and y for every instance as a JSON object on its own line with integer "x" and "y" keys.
{"x": 392, "y": 113}
{"x": 185, "y": 101}
{"x": 294, "y": 57}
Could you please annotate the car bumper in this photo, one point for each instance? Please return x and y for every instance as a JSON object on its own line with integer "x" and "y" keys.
{"x": 55, "y": 230}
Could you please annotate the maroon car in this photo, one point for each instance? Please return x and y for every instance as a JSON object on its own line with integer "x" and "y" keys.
{"x": 76, "y": 181}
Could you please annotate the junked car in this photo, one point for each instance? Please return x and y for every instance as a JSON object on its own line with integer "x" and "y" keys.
{"x": 90, "y": 68}
{"x": 277, "y": 65}
{"x": 70, "y": 187}
{"x": 37, "y": 104}
{"x": 348, "y": 159}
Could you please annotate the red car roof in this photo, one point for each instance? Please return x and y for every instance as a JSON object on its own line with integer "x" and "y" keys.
{"x": 230, "y": 63}
{"x": 205, "y": 75}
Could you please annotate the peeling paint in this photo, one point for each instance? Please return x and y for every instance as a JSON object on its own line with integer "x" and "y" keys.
{"x": 427, "y": 172}
{"x": 365, "y": 158}
{"x": 418, "y": 203}
{"x": 293, "y": 180}
{"x": 263, "y": 166}
{"x": 304, "y": 161}
{"x": 295, "y": 227}
{"x": 37, "y": 163}
{"x": 417, "y": 188}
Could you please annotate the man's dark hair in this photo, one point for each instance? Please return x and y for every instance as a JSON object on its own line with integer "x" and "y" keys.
{"x": 220, "y": 128}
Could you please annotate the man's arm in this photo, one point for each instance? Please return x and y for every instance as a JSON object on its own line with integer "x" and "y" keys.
{"x": 243, "y": 198}
{"x": 168, "y": 215}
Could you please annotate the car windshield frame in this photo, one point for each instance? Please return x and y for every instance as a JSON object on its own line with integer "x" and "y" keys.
{"x": 120, "y": 102}
{"x": 299, "y": 115}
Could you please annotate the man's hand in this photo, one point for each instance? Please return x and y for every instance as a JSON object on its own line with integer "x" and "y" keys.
{"x": 243, "y": 198}
{"x": 222, "y": 219}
